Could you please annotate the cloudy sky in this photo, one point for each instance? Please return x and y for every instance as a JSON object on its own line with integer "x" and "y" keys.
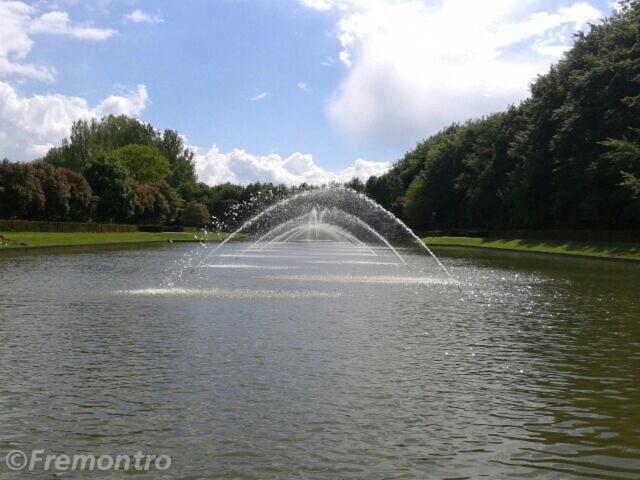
{"x": 275, "y": 90}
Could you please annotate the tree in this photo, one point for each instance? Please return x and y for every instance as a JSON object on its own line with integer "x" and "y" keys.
{"x": 113, "y": 132}
{"x": 625, "y": 156}
{"x": 57, "y": 192}
{"x": 151, "y": 205}
{"x": 80, "y": 197}
{"x": 355, "y": 184}
{"x": 145, "y": 164}
{"x": 417, "y": 208}
{"x": 385, "y": 189}
{"x": 557, "y": 160}
{"x": 174, "y": 202}
{"x": 183, "y": 172}
{"x": 91, "y": 138}
{"x": 2, "y": 177}
{"x": 23, "y": 195}
{"x": 195, "y": 215}
{"x": 114, "y": 190}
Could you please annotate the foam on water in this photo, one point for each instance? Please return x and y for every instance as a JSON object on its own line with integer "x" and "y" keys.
{"x": 228, "y": 293}
{"x": 363, "y": 279}
{"x": 352, "y": 262}
{"x": 295, "y": 255}
{"x": 241, "y": 266}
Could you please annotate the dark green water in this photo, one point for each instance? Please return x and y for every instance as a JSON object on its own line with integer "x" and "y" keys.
{"x": 318, "y": 364}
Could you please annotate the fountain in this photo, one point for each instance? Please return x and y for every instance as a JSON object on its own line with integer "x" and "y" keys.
{"x": 340, "y": 220}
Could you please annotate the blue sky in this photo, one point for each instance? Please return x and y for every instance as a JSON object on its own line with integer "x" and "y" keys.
{"x": 281, "y": 90}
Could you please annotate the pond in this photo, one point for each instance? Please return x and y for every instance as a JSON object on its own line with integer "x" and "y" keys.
{"x": 320, "y": 362}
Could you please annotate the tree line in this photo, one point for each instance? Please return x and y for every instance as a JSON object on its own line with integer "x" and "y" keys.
{"x": 567, "y": 157}
{"x": 121, "y": 170}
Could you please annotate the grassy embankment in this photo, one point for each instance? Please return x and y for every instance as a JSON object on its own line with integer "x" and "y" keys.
{"x": 616, "y": 251}
{"x": 27, "y": 240}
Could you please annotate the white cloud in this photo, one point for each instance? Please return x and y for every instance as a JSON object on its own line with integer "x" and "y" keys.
{"x": 20, "y": 22}
{"x": 241, "y": 167}
{"x": 15, "y": 43}
{"x": 13, "y": 34}
{"x": 322, "y": 5}
{"x": 138, "y": 16}
{"x": 304, "y": 87}
{"x": 29, "y": 126}
{"x": 414, "y": 66}
{"x": 130, "y": 103}
{"x": 59, "y": 23}
{"x": 258, "y": 97}
{"x": 25, "y": 70}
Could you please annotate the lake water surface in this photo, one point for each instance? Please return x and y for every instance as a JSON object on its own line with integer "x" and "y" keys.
{"x": 318, "y": 362}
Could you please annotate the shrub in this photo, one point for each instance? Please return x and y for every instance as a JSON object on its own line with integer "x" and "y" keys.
{"x": 195, "y": 215}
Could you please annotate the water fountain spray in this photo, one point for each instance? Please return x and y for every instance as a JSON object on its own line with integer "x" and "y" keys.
{"x": 336, "y": 201}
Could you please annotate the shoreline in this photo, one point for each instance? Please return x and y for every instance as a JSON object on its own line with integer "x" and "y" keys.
{"x": 627, "y": 252}
{"x": 27, "y": 243}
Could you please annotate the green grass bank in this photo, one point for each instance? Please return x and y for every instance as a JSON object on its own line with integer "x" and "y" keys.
{"x": 16, "y": 241}
{"x": 35, "y": 240}
{"x": 606, "y": 250}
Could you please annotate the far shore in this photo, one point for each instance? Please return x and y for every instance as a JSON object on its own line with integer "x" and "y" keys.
{"x": 16, "y": 243}
{"x": 602, "y": 250}
{"x": 38, "y": 242}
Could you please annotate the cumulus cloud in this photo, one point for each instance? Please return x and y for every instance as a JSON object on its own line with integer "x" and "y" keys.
{"x": 59, "y": 23}
{"x": 138, "y": 16}
{"x": 29, "y": 126}
{"x": 129, "y": 103}
{"x": 20, "y": 22}
{"x": 304, "y": 87}
{"x": 318, "y": 4}
{"x": 414, "y": 67}
{"x": 241, "y": 167}
{"x": 25, "y": 70}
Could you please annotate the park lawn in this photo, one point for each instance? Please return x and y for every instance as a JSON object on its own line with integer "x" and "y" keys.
{"x": 13, "y": 240}
{"x": 618, "y": 251}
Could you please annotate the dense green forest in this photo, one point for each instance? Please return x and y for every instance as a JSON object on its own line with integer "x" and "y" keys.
{"x": 121, "y": 170}
{"x": 567, "y": 157}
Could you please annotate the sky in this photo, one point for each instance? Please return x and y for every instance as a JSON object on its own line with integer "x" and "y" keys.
{"x": 275, "y": 90}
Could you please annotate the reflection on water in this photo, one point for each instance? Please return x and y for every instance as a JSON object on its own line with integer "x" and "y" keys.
{"x": 239, "y": 293}
{"x": 361, "y": 279}
{"x": 352, "y": 262}
{"x": 244, "y": 265}
{"x": 348, "y": 369}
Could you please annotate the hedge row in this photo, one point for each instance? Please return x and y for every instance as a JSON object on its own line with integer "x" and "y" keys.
{"x": 75, "y": 227}
{"x": 613, "y": 236}
{"x": 166, "y": 228}
{"x": 67, "y": 227}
